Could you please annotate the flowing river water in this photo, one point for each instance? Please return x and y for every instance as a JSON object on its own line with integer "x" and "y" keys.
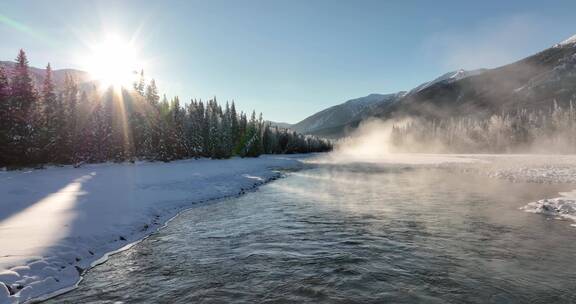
{"x": 352, "y": 234}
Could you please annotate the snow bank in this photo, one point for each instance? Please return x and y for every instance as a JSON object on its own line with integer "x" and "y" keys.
{"x": 56, "y": 223}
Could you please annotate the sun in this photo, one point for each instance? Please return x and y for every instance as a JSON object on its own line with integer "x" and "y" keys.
{"x": 113, "y": 61}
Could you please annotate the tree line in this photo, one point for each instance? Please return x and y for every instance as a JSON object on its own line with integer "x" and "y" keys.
{"x": 550, "y": 130}
{"x": 42, "y": 124}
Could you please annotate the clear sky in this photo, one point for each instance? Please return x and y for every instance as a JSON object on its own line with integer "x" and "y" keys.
{"x": 289, "y": 59}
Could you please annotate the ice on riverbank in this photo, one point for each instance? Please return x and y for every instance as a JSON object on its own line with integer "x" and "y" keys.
{"x": 56, "y": 223}
{"x": 561, "y": 207}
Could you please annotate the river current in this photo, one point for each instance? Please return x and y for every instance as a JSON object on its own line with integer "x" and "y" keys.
{"x": 351, "y": 234}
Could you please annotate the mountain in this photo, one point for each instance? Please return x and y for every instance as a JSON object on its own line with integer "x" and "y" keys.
{"x": 58, "y": 76}
{"x": 332, "y": 122}
{"x": 335, "y": 121}
{"x": 447, "y": 78}
{"x": 281, "y": 125}
{"x": 535, "y": 82}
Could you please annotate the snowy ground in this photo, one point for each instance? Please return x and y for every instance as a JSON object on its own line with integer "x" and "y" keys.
{"x": 56, "y": 223}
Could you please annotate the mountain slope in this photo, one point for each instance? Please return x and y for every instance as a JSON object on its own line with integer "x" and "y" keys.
{"x": 335, "y": 121}
{"x": 280, "y": 125}
{"x": 332, "y": 121}
{"x": 535, "y": 82}
{"x": 446, "y": 79}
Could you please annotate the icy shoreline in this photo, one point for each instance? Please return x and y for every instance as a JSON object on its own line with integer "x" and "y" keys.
{"x": 57, "y": 223}
{"x": 560, "y": 207}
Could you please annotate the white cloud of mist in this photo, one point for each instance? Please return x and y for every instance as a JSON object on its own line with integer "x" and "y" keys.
{"x": 371, "y": 143}
{"x": 490, "y": 44}
{"x": 370, "y": 140}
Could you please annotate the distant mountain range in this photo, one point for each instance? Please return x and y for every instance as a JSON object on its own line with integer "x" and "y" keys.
{"x": 58, "y": 76}
{"x": 334, "y": 119}
{"x": 535, "y": 82}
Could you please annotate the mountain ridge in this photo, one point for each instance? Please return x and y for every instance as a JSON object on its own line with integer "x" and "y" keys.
{"x": 334, "y": 118}
{"x": 58, "y": 75}
{"x": 537, "y": 82}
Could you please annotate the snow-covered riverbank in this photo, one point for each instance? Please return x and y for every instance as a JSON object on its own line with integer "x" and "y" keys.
{"x": 56, "y": 223}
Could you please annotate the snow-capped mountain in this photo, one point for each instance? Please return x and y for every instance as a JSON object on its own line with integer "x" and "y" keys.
{"x": 336, "y": 120}
{"x": 535, "y": 82}
{"x": 569, "y": 41}
{"x": 447, "y": 78}
{"x": 332, "y": 121}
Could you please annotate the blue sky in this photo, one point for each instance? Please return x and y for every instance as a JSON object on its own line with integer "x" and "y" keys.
{"x": 289, "y": 59}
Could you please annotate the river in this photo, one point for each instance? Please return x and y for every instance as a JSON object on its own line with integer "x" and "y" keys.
{"x": 351, "y": 234}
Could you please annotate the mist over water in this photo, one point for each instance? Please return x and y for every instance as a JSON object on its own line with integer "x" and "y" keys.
{"x": 522, "y": 132}
{"x": 352, "y": 232}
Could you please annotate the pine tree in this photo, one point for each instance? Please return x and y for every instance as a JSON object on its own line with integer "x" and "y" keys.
{"x": 164, "y": 136}
{"x": 234, "y": 126}
{"x": 71, "y": 138}
{"x": 22, "y": 104}
{"x": 85, "y": 127}
{"x": 180, "y": 143}
{"x": 137, "y": 111}
{"x": 226, "y": 133}
{"x": 194, "y": 128}
{"x": 100, "y": 132}
{"x": 74, "y": 125}
{"x": 152, "y": 126}
{"x": 5, "y": 117}
{"x": 206, "y": 129}
{"x": 50, "y": 108}
{"x": 140, "y": 84}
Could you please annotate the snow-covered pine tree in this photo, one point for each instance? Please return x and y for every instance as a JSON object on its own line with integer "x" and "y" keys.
{"x": 140, "y": 84}
{"x": 23, "y": 99}
{"x": 5, "y": 116}
{"x": 151, "y": 131}
{"x": 51, "y": 118}
{"x": 180, "y": 144}
{"x": 234, "y": 126}
{"x": 71, "y": 136}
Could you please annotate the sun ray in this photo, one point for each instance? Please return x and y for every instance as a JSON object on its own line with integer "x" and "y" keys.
{"x": 114, "y": 64}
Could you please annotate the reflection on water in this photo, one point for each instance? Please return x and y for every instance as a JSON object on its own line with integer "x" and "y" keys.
{"x": 351, "y": 234}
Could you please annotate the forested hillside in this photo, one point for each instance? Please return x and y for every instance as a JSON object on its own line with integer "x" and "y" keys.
{"x": 43, "y": 123}
{"x": 550, "y": 131}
